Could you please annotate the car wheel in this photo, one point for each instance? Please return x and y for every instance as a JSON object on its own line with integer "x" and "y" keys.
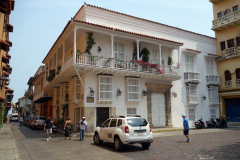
{"x": 146, "y": 145}
{"x": 118, "y": 144}
{"x": 33, "y": 127}
{"x": 97, "y": 139}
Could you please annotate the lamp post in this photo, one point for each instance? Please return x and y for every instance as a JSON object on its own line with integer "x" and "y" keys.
{"x": 66, "y": 97}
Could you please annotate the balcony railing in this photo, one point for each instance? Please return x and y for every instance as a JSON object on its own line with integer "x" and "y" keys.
{"x": 192, "y": 100}
{"x": 120, "y": 64}
{"x": 237, "y": 82}
{"x": 213, "y": 101}
{"x": 213, "y": 80}
{"x": 228, "y": 83}
{"x": 226, "y": 21}
{"x": 42, "y": 94}
{"x": 192, "y": 77}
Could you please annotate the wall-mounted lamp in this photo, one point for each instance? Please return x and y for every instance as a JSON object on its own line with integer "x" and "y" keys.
{"x": 91, "y": 91}
{"x": 174, "y": 94}
{"x": 99, "y": 49}
{"x": 144, "y": 93}
{"x": 203, "y": 97}
{"x": 119, "y": 93}
{"x": 66, "y": 97}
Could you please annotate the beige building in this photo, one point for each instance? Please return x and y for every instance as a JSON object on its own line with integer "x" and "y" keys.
{"x": 227, "y": 32}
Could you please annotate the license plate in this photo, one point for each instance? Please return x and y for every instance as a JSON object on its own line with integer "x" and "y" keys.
{"x": 139, "y": 133}
{"x": 40, "y": 126}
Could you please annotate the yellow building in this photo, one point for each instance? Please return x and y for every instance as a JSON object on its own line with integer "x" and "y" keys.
{"x": 5, "y": 10}
{"x": 227, "y": 32}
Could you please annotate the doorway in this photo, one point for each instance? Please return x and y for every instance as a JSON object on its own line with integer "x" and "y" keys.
{"x": 158, "y": 110}
{"x": 102, "y": 115}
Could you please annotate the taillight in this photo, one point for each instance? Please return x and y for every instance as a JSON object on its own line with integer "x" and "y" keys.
{"x": 194, "y": 122}
{"x": 126, "y": 129}
{"x": 218, "y": 122}
{"x": 35, "y": 121}
{"x": 206, "y": 121}
{"x": 150, "y": 128}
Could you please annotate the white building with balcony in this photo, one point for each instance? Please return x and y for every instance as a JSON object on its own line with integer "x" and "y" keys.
{"x": 180, "y": 69}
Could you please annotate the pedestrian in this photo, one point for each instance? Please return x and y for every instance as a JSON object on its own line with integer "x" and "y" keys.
{"x": 186, "y": 127}
{"x": 68, "y": 128}
{"x": 21, "y": 121}
{"x": 83, "y": 128}
{"x": 48, "y": 127}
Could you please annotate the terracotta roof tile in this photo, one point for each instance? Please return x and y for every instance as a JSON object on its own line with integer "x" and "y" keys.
{"x": 213, "y": 55}
{"x": 193, "y": 50}
{"x": 140, "y": 19}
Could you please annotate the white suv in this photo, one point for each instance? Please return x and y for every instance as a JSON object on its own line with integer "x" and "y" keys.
{"x": 122, "y": 130}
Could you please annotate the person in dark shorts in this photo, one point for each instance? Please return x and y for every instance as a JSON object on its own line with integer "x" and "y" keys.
{"x": 68, "y": 128}
{"x": 186, "y": 127}
{"x": 48, "y": 127}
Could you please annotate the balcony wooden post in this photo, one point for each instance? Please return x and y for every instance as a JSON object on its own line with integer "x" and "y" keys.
{"x": 160, "y": 53}
{"x": 56, "y": 59}
{"x": 138, "y": 49}
{"x": 112, "y": 49}
{"x": 179, "y": 59}
{"x": 74, "y": 44}
{"x": 48, "y": 69}
{"x": 63, "y": 52}
{"x": 52, "y": 62}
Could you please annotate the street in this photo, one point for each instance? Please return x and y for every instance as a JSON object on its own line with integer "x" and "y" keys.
{"x": 206, "y": 144}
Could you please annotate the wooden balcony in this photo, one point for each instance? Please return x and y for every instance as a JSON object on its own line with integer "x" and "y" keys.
{"x": 192, "y": 77}
{"x": 213, "y": 80}
{"x": 228, "y": 84}
{"x": 213, "y": 101}
{"x": 43, "y": 96}
{"x": 228, "y": 53}
{"x": 192, "y": 100}
{"x": 227, "y": 21}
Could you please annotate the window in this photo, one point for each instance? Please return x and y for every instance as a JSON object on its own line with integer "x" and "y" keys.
{"x": 192, "y": 93}
{"x": 105, "y": 88}
{"x": 228, "y": 75}
{"x": 113, "y": 123}
{"x": 156, "y": 57}
{"x": 213, "y": 94}
{"x": 119, "y": 123}
{"x": 76, "y": 89}
{"x": 220, "y": 14}
{"x": 119, "y": 51}
{"x": 227, "y": 12}
{"x": 238, "y": 41}
{"x": 131, "y": 111}
{"x": 230, "y": 43}
{"x": 136, "y": 122}
{"x": 238, "y": 73}
{"x": 235, "y": 8}
{"x": 191, "y": 114}
{"x": 209, "y": 67}
{"x": 189, "y": 63}
{"x": 213, "y": 113}
{"x": 132, "y": 89}
{"x": 223, "y": 46}
{"x": 106, "y": 124}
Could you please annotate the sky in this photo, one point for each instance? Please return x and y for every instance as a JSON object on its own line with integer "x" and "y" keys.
{"x": 38, "y": 23}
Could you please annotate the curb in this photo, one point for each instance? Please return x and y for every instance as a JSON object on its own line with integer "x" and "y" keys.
{"x": 77, "y": 134}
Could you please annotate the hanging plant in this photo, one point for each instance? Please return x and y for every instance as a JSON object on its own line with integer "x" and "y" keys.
{"x": 90, "y": 42}
{"x": 145, "y": 54}
{"x": 51, "y": 76}
{"x": 170, "y": 61}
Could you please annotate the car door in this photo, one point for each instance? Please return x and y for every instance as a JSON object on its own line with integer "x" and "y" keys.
{"x": 104, "y": 130}
{"x": 111, "y": 130}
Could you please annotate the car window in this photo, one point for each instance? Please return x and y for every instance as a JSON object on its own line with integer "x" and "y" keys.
{"x": 119, "y": 122}
{"x": 40, "y": 118}
{"x": 136, "y": 122}
{"x": 106, "y": 123}
{"x": 113, "y": 123}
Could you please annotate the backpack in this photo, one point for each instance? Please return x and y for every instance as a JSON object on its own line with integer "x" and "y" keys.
{"x": 69, "y": 126}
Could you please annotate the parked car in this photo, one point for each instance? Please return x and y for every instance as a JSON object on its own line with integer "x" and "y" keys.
{"x": 122, "y": 130}
{"x": 25, "y": 121}
{"x": 38, "y": 122}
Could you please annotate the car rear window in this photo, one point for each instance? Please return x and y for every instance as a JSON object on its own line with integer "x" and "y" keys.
{"x": 40, "y": 118}
{"x": 136, "y": 122}
{"x": 14, "y": 115}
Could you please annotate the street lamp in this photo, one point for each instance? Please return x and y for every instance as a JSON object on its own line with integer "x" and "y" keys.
{"x": 144, "y": 93}
{"x": 66, "y": 97}
{"x": 119, "y": 93}
{"x": 3, "y": 79}
{"x": 91, "y": 91}
{"x": 203, "y": 97}
{"x": 174, "y": 94}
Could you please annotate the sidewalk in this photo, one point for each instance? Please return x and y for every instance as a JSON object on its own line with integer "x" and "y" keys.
{"x": 154, "y": 130}
{"x": 7, "y": 147}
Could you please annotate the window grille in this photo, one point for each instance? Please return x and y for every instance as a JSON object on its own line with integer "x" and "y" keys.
{"x": 105, "y": 88}
{"x": 213, "y": 113}
{"x": 132, "y": 89}
{"x": 191, "y": 114}
{"x": 131, "y": 111}
{"x": 192, "y": 93}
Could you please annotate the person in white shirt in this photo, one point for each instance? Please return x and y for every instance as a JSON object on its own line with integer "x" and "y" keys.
{"x": 21, "y": 121}
{"x": 83, "y": 128}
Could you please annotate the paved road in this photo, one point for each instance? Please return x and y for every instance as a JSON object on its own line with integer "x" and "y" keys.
{"x": 205, "y": 144}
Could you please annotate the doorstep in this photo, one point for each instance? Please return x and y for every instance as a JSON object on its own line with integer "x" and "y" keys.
{"x": 155, "y": 130}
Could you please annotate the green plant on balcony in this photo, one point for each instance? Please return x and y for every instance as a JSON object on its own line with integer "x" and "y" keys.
{"x": 107, "y": 61}
{"x": 145, "y": 54}
{"x": 170, "y": 61}
{"x": 58, "y": 69}
{"x": 51, "y": 76}
{"x": 90, "y": 42}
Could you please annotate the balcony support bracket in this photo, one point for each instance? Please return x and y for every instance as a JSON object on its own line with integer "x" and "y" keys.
{"x": 79, "y": 77}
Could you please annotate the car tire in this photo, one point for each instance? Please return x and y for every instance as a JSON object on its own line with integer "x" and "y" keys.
{"x": 146, "y": 145}
{"x": 33, "y": 127}
{"x": 118, "y": 144}
{"x": 96, "y": 139}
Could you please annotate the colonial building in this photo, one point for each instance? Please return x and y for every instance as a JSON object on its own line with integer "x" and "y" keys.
{"x": 6, "y": 6}
{"x": 106, "y": 63}
{"x": 225, "y": 24}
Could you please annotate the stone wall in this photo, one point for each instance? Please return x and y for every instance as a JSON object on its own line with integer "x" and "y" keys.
{"x": 89, "y": 113}
{"x": 159, "y": 88}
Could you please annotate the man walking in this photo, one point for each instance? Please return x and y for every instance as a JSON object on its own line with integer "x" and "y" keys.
{"x": 83, "y": 128}
{"x": 48, "y": 127}
{"x": 186, "y": 127}
{"x": 21, "y": 121}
